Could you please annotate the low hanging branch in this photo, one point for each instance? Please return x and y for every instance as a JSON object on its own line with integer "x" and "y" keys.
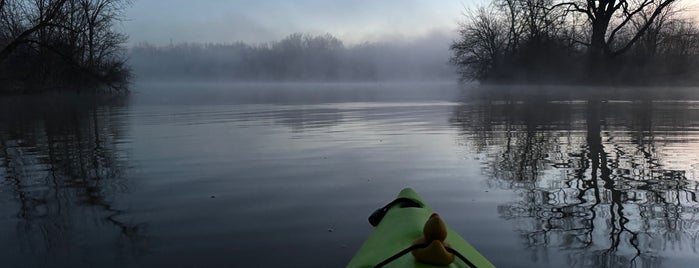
{"x": 85, "y": 70}
{"x": 47, "y": 20}
{"x": 79, "y": 32}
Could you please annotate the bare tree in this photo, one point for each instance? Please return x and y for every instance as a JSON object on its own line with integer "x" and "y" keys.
{"x": 47, "y": 13}
{"x": 483, "y": 41}
{"x": 70, "y": 41}
{"x": 99, "y": 15}
{"x": 607, "y": 18}
{"x": 574, "y": 41}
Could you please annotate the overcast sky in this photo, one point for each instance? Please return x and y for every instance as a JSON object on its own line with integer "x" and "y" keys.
{"x": 255, "y": 21}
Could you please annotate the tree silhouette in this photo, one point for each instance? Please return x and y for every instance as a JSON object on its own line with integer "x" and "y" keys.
{"x": 592, "y": 42}
{"x": 58, "y": 44}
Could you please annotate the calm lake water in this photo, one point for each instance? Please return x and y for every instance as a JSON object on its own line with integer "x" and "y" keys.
{"x": 264, "y": 175}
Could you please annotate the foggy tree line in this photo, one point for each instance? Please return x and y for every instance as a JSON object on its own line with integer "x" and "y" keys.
{"x": 574, "y": 41}
{"x": 297, "y": 57}
{"x": 50, "y": 45}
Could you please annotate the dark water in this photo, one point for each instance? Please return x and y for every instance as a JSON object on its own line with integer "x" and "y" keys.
{"x": 285, "y": 175}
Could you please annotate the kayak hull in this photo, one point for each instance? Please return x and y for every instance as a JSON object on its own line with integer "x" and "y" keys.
{"x": 397, "y": 231}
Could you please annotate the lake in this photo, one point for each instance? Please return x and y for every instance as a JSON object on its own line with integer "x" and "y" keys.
{"x": 285, "y": 175}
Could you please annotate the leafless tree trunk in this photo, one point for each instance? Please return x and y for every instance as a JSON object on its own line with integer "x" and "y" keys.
{"x": 608, "y": 17}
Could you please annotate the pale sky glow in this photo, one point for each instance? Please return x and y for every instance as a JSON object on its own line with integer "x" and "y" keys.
{"x": 256, "y": 21}
{"x": 356, "y": 21}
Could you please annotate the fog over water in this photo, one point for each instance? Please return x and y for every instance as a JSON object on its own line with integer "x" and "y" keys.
{"x": 293, "y": 41}
{"x": 297, "y": 57}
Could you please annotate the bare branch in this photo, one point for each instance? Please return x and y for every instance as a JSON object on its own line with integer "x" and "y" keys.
{"x": 629, "y": 17}
{"x": 572, "y": 6}
{"x": 645, "y": 27}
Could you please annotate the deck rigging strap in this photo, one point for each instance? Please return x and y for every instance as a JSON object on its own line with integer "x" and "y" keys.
{"x": 376, "y": 217}
{"x": 419, "y": 246}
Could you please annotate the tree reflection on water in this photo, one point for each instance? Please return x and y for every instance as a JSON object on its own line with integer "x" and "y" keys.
{"x": 609, "y": 183}
{"x": 62, "y": 171}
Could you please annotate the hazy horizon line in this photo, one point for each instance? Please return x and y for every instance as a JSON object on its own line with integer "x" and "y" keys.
{"x": 435, "y": 34}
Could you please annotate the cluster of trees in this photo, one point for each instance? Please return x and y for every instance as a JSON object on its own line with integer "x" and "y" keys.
{"x": 61, "y": 44}
{"x": 297, "y": 57}
{"x": 572, "y": 41}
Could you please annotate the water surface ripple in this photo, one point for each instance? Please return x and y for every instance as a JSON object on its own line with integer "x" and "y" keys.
{"x": 146, "y": 181}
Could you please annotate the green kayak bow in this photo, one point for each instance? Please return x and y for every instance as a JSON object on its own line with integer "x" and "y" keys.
{"x": 398, "y": 228}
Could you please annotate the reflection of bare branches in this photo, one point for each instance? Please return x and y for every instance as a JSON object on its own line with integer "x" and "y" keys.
{"x": 592, "y": 177}
{"x": 65, "y": 168}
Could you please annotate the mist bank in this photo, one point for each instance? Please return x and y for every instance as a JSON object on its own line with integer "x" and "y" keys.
{"x": 297, "y": 57}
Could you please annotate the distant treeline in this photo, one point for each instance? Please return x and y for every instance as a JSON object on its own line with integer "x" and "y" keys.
{"x": 298, "y": 57}
{"x": 54, "y": 45}
{"x": 591, "y": 42}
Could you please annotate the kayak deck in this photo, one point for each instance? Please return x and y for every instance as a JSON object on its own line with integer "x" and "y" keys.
{"x": 397, "y": 231}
